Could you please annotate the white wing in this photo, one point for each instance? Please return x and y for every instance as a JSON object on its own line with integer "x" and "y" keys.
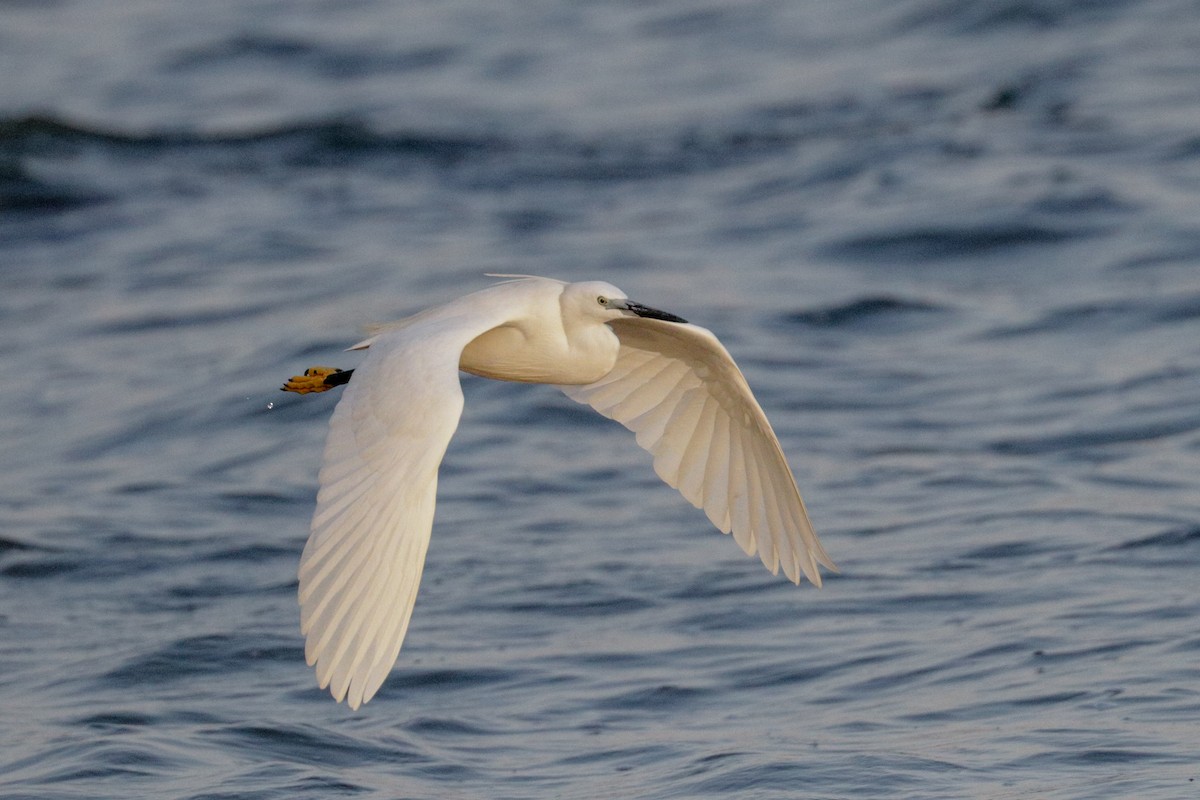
{"x": 679, "y": 390}
{"x": 363, "y": 560}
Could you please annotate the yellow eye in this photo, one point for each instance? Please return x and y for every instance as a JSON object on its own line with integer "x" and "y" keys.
{"x": 602, "y": 300}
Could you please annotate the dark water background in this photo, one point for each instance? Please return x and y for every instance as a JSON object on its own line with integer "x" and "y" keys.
{"x": 955, "y": 245}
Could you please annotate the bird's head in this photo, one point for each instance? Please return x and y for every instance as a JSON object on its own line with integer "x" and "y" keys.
{"x": 603, "y": 301}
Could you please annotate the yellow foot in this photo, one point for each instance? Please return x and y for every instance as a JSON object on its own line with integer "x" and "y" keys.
{"x": 314, "y": 379}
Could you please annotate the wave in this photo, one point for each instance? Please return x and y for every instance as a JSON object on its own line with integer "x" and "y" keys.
{"x": 974, "y": 17}
{"x": 1187, "y": 536}
{"x": 507, "y": 156}
{"x": 948, "y": 242}
{"x": 871, "y": 312}
{"x": 1112, "y": 316}
{"x": 323, "y": 59}
{"x": 44, "y": 133}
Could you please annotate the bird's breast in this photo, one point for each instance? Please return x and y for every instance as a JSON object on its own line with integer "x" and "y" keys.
{"x": 511, "y": 354}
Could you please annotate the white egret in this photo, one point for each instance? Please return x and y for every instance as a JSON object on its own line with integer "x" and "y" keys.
{"x": 669, "y": 381}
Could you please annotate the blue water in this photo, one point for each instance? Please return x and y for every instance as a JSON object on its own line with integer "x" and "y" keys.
{"x": 954, "y": 244}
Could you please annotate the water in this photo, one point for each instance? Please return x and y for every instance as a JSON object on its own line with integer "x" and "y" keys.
{"x": 954, "y": 245}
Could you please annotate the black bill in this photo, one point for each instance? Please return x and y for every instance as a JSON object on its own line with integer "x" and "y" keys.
{"x": 651, "y": 313}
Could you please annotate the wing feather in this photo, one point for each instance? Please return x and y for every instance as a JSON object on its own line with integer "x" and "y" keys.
{"x": 695, "y": 454}
{"x": 716, "y": 475}
{"x": 757, "y": 499}
{"x": 739, "y": 496}
{"x": 657, "y": 396}
{"x": 362, "y": 564}
{"x": 642, "y": 371}
{"x": 776, "y": 523}
{"x": 677, "y": 433}
{"x": 677, "y": 388}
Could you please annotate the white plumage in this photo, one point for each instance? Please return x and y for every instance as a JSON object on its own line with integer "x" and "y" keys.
{"x": 670, "y": 382}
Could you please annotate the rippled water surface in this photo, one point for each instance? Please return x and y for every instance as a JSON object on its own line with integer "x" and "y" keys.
{"x": 955, "y": 246}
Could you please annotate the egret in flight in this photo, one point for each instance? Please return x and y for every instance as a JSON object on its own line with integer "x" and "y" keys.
{"x": 670, "y": 382}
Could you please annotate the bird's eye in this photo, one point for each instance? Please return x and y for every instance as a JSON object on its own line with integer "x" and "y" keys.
{"x": 602, "y": 300}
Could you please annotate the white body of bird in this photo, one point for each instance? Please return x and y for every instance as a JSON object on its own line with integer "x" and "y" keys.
{"x": 669, "y": 381}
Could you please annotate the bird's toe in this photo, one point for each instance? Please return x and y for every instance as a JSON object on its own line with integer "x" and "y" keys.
{"x": 313, "y": 380}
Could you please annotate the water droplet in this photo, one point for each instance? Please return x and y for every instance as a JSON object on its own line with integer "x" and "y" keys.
{"x": 270, "y": 406}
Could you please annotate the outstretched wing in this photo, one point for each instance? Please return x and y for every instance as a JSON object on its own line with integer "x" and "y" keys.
{"x": 366, "y": 550}
{"x": 676, "y": 386}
